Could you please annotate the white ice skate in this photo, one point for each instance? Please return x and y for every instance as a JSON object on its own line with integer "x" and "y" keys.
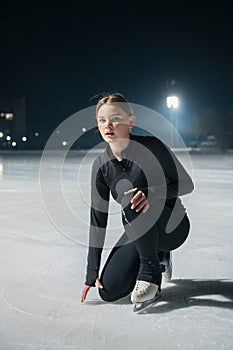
{"x": 144, "y": 294}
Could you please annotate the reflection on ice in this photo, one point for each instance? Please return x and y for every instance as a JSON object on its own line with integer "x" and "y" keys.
{"x": 214, "y": 297}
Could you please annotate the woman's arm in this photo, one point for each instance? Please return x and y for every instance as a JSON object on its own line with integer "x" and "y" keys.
{"x": 177, "y": 180}
{"x": 98, "y": 222}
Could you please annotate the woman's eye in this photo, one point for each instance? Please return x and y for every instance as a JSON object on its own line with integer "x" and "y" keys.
{"x": 101, "y": 121}
{"x": 115, "y": 119}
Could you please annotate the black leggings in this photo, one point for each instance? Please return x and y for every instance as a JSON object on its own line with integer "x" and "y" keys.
{"x": 120, "y": 271}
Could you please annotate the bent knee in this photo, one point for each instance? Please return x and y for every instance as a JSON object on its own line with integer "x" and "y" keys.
{"x": 107, "y": 296}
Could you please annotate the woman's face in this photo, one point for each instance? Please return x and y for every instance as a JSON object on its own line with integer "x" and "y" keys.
{"x": 113, "y": 122}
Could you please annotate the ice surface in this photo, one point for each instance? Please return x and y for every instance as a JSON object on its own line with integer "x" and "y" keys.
{"x": 43, "y": 267}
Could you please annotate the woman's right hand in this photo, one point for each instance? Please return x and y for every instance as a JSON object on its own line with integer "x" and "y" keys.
{"x": 87, "y": 288}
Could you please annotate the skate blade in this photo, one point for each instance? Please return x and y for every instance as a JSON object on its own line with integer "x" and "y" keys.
{"x": 141, "y": 306}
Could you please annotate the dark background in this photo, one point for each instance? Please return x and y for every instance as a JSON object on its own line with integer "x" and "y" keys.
{"x": 59, "y": 54}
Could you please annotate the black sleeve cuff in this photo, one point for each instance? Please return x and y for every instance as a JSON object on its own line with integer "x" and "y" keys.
{"x": 91, "y": 277}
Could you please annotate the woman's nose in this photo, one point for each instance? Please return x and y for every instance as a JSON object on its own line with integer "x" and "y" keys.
{"x": 109, "y": 123}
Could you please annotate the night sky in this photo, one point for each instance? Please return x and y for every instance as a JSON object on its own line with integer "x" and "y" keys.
{"x": 59, "y": 54}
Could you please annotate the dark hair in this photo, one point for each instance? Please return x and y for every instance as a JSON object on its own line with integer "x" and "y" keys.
{"x": 115, "y": 98}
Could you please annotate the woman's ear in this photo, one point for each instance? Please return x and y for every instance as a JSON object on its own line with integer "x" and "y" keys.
{"x": 132, "y": 120}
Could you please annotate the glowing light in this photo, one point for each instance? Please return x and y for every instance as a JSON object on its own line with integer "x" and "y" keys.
{"x": 8, "y": 138}
{"x": 24, "y": 139}
{"x": 64, "y": 143}
{"x": 36, "y": 134}
{"x": 13, "y": 144}
{"x": 9, "y": 116}
{"x": 172, "y": 102}
{"x": 1, "y": 134}
{"x": 84, "y": 129}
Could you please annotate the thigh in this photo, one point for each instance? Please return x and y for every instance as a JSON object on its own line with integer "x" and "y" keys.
{"x": 120, "y": 272}
{"x": 174, "y": 239}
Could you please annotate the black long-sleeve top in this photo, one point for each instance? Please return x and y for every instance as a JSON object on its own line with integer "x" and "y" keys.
{"x": 148, "y": 164}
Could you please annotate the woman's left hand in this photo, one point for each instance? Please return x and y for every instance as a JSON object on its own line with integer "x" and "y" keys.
{"x": 139, "y": 200}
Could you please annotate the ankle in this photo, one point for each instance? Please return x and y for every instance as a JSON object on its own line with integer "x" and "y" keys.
{"x": 149, "y": 270}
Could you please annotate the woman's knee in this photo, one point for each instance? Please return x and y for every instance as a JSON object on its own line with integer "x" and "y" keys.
{"x": 107, "y": 296}
{"x": 177, "y": 237}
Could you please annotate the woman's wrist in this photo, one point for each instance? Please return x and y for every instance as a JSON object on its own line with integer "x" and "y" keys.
{"x": 91, "y": 277}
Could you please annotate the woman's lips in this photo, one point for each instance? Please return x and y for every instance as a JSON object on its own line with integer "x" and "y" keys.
{"x": 109, "y": 133}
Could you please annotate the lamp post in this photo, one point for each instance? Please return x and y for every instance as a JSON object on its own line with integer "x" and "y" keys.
{"x": 173, "y": 104}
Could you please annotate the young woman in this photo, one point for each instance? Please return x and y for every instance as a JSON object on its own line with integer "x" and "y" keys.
{"x": 146, "y": 178}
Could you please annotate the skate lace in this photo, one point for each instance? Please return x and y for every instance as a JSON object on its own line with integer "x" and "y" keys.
{"x": 142, "y": 287}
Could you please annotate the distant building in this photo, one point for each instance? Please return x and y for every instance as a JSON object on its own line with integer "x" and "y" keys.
{"x": 12, "y": 121}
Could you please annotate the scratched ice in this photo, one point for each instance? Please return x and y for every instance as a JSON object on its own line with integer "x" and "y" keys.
{"x": 43, "y": 268}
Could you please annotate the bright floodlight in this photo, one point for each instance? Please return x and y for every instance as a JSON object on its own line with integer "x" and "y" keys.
{"x": 172, "y": 102}
{"x": 1, "y": 134}
{"x": 9, "y": 116}
{"x": 24, "y": 139}
{"x": 13, "y": 144}
{"x": 64, "y": 143}
{"x": 8, "y": 138}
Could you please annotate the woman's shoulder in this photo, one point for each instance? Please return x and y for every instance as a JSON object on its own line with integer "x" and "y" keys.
{"x": 147, "y": 140}
{"x": 101, "y": 159}
{"x": 157, "y": 146}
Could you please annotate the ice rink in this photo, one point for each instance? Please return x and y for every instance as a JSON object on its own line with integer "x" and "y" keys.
{"x": 43, "y": 261}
